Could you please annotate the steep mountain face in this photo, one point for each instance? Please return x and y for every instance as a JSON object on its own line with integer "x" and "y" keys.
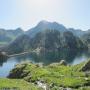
{"x": 47, "y": 37}
{"x": 53, "y": 40}
{"x": 47, "y": 41}
{"x": 20, "y": 44}
{"x": 86, "y": 39}
{"x": 7, "y": 36}
{"x": 43, "y": 25}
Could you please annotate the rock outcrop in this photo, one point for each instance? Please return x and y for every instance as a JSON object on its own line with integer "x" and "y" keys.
{"x": 86, "y": 67}
{"x": 3, "y": 55}
{"x": 63, "y": 62}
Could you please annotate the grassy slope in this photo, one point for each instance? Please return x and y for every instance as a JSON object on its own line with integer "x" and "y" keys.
{"x": 60, "y": 76}
{"x": 16, "y": 84}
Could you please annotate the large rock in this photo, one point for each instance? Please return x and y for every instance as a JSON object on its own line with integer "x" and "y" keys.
{"x": 3, "y": 55}
{"x": 63, "y": 62}
{"x": 18, "y": 71}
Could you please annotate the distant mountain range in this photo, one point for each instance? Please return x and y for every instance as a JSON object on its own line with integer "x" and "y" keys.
{"x": 46, "y": 37}
{"x": 6, "y": 36}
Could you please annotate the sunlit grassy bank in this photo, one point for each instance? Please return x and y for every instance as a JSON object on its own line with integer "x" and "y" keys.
{"x": 16, "y": 84}
{"x": 54, "y": 75}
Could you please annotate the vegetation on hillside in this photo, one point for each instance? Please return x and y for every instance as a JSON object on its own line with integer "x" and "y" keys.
{"x": 54, "y": 75}
{"x": 16, "y": 84}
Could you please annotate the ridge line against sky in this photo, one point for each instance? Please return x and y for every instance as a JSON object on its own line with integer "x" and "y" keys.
{"x": 27, "y": 13}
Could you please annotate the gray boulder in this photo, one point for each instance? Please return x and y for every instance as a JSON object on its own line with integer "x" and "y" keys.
{"x": 63, "y": 62}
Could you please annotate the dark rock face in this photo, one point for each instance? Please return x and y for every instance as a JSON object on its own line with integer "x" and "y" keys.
{"x": 17, "y": 72}
{"x": 47, "y": 41}
{"x": 19, "y": 45}
{"x": 86, "y": 67}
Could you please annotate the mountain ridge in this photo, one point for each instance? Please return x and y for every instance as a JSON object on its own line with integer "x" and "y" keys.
{"x": 48, "y": 36}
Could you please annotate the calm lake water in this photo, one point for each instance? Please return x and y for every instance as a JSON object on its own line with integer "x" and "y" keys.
{"x": 72, "y": 58}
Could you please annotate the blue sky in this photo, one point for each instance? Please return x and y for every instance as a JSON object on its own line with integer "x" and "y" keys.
{"x": 27, "y": 13}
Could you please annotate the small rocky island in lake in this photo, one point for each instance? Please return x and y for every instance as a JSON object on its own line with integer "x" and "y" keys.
{"x": 3, "y": 55}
